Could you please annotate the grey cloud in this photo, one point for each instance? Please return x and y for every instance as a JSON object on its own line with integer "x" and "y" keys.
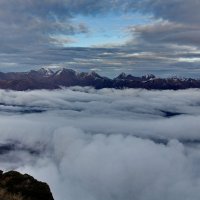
{"x": 31, "y": 27}
{"x": 181, "y": 11}
{"x": 174, "y": 23}
{"x": 138, "y": 60}
{"x": 165, "y": 32}
{"x": 25, "y": 24}
{"x": 28, "y": 24}
{"x": 30, "y": 33}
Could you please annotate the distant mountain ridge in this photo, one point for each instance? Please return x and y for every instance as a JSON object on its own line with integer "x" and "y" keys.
{"x": 46, "y": 78}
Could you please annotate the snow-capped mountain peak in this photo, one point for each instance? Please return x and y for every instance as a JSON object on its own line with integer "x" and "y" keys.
{"x": 45, "y": 71}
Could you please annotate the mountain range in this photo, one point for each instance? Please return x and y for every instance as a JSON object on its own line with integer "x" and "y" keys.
{"x": 46, "y": 78}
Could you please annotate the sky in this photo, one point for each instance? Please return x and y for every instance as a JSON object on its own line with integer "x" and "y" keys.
{"x": 109, "y": 36}
{"x": 107, "y": 144}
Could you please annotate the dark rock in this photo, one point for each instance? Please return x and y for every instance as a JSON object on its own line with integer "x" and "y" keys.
{"x": 15, "y": 186}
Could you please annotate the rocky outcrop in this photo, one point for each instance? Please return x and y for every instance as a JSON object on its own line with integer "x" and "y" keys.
{"x": 16, "y": 186}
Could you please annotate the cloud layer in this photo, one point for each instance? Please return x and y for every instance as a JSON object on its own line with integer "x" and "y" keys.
{"x": 33, "y": 34}
{"x": 110, "y": 144}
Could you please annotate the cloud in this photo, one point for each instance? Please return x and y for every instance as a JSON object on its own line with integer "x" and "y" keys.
{"x": 165, "y": 32}
{"x": 28, "y": 24}
{"x": 173, "y": 23}
{"x": 160, "y": 60}
{"x": 181, "y": 11}
{"x": 110, "y": 144}
{"x": 33, "y": 34}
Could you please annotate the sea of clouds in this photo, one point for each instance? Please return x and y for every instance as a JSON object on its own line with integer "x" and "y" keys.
{"x": 105, "y": 144}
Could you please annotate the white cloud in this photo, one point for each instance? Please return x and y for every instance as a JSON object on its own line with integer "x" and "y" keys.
{"x": 104, "y": 144}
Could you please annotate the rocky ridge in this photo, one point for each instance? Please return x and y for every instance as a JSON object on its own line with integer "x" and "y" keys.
{"x": 16, "y": 186}
{"x": 45, "y": 78}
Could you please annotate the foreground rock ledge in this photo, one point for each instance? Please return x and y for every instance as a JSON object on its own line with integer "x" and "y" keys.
{"x": 16, "y": 186}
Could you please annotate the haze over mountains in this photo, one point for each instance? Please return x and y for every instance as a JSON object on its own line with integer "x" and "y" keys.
{"x": 46, "y": 78}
